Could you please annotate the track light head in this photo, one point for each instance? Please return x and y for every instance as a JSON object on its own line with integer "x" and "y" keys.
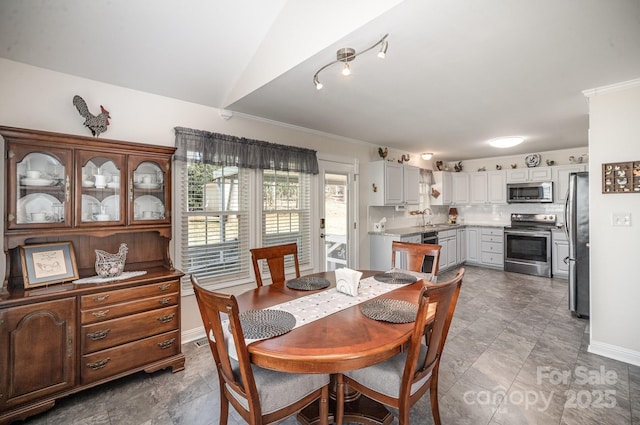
{"x": 317, "y": 82}
{"x": 383, "y": 50}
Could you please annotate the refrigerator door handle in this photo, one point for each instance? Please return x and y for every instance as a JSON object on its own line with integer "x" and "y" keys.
{"x": 572, "y": 285}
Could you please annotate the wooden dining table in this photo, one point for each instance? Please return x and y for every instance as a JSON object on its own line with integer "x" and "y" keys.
{"x": 339, "y": 342}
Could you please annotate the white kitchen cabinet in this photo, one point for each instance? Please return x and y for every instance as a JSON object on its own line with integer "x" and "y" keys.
{"x": 393, "y": 184}
{"x": 380, "y": 250}
{"x": 478, "y": 188}
{"x": 447, "y": 239}
{"x": 462, "y": 245}
{"x": 474, "y": 234}
{"x": 442, "y": 186}
{"x": 485, "y": 246}
{"x": 534, "y": 174}
{"x": 460, "y": 186}
{"x": 497, "y": 187}
{"x": 561, "y": 180}
{"x": 559, "y": 251}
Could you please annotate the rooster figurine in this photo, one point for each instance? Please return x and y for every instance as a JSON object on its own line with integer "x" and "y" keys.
{"x": 96, "y": 123}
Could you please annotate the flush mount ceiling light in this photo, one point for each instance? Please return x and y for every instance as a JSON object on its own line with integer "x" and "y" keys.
{"x": 427, "y": 156}
{"x": 346, "y": 55}
{"x": 506, "y": 142}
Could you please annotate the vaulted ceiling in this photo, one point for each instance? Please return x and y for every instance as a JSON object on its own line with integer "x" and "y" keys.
{"x": 457, "y": 73}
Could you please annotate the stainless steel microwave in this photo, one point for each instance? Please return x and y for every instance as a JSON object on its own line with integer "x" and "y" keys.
{"x": 532, "y": 192}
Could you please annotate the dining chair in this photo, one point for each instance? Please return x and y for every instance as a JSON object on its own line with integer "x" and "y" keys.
{"x": 403, "y": 379}
{"x": 261, "y": 396}
{"x": 275, "y": 256}
{"x": 415, "y": 254}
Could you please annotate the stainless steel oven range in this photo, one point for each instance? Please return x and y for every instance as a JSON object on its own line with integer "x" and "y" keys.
{"x": 527, "y": 244}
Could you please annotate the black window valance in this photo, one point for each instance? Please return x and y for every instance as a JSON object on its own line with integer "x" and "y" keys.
{"x": 224, "y": 150}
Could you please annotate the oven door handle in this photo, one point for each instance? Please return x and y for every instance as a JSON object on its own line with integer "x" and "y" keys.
{"x": 543, "y": 234}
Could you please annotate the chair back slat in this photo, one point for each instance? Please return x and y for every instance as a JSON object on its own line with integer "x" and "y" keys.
{"x": 415, "y": 255}
{"x": 275, "y": 257}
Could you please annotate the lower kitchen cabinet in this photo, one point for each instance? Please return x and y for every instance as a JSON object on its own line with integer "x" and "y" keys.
{"x": 448, "y": 240}
{"x": 485, "y": 246}
{"x": 380, "y": 250}
{"x": 88, "y": 334}
{"x": 559, "y": 251}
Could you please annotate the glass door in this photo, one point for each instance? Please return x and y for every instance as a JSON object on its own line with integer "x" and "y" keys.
{"x": 337, "y": 216}
{"x": 149, "y": 184}
{"x": 41, "y": 182}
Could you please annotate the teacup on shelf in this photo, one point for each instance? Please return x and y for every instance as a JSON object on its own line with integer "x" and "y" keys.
{"x": 102, "y": 217}
{"x": 33, "y": 174}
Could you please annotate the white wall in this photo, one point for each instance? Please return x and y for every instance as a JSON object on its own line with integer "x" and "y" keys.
{"x": 40, "y": 99}
{"x": 615, "y": 283}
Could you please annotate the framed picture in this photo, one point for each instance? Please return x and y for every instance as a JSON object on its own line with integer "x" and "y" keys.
{"x": 49, "y": 263}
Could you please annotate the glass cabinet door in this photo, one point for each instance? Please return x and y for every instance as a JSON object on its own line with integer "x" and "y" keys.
{"x": 149, "y": 189}
{"x": 100, "y": 179}
{"x": 40, "y": 178}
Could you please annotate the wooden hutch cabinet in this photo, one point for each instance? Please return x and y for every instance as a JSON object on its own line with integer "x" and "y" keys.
{"x": 61, "y": 338}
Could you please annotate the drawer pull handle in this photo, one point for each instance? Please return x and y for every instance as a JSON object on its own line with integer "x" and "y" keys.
{"x": 100, "y": 313}
{"x": 99, "y": 364}
{"x": 101, "y": 298}
{"x": 166, "y": 344}
{"x": 164, "y": 287}
{"x": 94, "y": 336}
{"x": 165, "y": 301}
{"x": 167, "y": 318}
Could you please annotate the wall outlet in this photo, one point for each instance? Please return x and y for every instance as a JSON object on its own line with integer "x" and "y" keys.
{"x": 621, "y": 219}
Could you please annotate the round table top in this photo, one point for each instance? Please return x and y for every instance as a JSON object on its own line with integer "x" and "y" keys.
{"x": 338, "y": 342}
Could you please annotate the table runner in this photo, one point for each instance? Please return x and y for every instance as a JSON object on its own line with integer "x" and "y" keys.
{"x": 315, "y": 306}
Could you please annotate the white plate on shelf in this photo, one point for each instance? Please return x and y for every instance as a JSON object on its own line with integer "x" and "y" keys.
{"x": 90, "y": 206}
{"x": 35, "y": 203}
{"x": 146, "y": 185}
{"x": 147, "y": 203}
{"x": 37, "y": 182}
{"x": 111, "y": 206}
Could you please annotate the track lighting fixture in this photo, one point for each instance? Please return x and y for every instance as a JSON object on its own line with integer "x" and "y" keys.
{"x": 346, "y": 55}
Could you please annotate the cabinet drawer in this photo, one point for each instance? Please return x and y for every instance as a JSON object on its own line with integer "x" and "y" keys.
{"x": 447, "y": 234}
{"x": 108, "y": 312}
{"x": 492, "y": 258}
{"x": 107, "y": 363}
{"x": 492, "y": 238}
{"x": 126, "y": 329}
{"x": 121, "y": 295}
{"x": 492, "y": 247}
{"x": 492, "y": 231}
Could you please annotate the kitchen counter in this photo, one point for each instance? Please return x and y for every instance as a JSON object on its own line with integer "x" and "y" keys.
{"x": 418, "y": 230}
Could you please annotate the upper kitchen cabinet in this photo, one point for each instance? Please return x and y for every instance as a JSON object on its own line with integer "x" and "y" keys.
{"x": 394, "y": 184}
{"x": 534, "y": 174}
{"x": 487, "y": 187}
{"x": 442, "y": 188}
{"x": 460, "y": 187}
{"x": 561, "y": 180}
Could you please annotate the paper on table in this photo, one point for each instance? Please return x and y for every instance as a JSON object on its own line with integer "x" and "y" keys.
{"x": 348, "y": 281}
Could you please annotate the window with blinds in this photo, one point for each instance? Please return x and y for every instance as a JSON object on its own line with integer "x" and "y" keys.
{"x": 286, "y": 212}
{"x": 214, "y": 242}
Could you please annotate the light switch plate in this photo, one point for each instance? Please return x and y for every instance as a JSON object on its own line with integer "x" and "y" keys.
{"x": 621, "y": 219}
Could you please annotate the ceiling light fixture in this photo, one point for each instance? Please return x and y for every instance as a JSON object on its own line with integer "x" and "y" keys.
{"x": 506, "y": 142}
{"x": 427, "y": 156}
{"x": 346, "y": 55}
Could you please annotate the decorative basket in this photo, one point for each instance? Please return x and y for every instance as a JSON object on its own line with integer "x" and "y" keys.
{"x": 111, "y": 265}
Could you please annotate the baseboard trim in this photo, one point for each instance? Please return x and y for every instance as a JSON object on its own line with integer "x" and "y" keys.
{"x": 615, "y": 352}
{"x": 192, "y": 334}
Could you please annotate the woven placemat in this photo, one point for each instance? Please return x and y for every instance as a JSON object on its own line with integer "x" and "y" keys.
{"x": 390, "y": 310}
{"x": 308, "y": 283}
{"x": 395, "y": 277}
{"x": 260, "y": 324}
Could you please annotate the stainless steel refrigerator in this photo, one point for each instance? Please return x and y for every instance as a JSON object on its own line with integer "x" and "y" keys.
{"x": 577, "y": 228}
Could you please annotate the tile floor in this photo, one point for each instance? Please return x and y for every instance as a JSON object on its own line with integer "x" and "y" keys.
{"x": 514, "y": 355}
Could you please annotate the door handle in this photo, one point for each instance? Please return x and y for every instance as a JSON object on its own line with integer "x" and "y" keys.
{"x": 321, "y": 235}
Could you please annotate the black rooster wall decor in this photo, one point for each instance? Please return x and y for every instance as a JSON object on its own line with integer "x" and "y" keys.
{"x": 96, "y": 123}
